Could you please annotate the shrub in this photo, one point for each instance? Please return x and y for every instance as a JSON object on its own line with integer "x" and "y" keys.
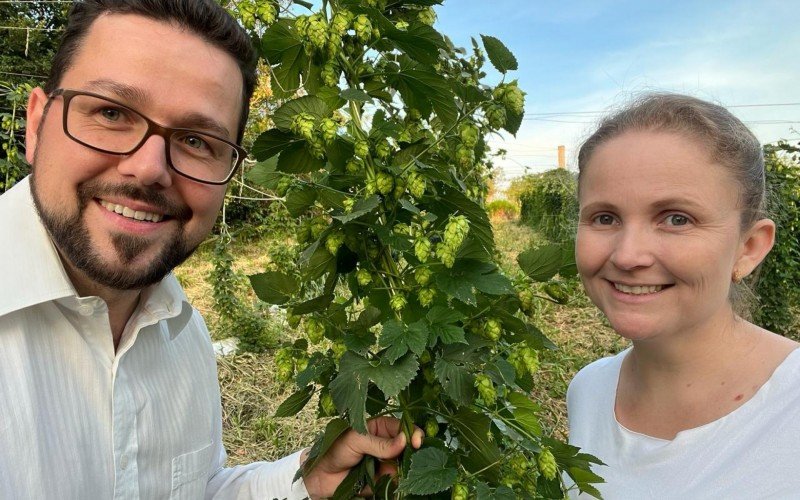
{"x": 777, "y": 279}
{"x": 503, "y": 209}
{"x": 550, "y": 204}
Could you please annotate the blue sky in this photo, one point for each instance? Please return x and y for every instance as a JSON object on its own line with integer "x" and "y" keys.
{"x": 593, "y": 55}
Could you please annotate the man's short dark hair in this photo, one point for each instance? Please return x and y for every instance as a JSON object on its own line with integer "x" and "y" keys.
{"x": 205, "y": 18}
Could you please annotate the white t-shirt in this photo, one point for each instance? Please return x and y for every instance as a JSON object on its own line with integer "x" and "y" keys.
{"x": 751, "y": 453}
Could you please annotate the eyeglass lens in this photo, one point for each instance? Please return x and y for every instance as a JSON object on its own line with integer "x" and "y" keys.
{"x": 110, "y": 127}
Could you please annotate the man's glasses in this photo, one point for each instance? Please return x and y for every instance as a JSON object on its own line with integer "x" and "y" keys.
{"x": 108, "y": 126}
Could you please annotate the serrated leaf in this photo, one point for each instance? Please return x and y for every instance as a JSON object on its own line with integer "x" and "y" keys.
{"x": 452, "y": 200}
{"x": 393, "y": 378}
{"x": 420, "y": 42}
{"x": 274, "y": 287}
{"x": 407, "y": 205}
{"x": 513, "y": 122}
{"x": 400, "y": 338}
{"x": 270, "y": 143}
{"x": 494, "y": 284}
{"x": 425, "y": 89}
{"x": 525, "y": 413}
{"x": 263, "y": 174}
{"x": 316, "y": 261}
{"x": 361, "y": 208}
{"x": 299, "y": 200}
{"x": 568, "y": 268}
{"x": 447, "y": 334}
{"x": 430, "y": 473}
{"x": 456, "y": 380}
{"x": 541, "y": 264}
{"x": 297, "y": 159}
{"x": 330, "y": 95}
{"x": 444, "y": 315}
{"x": 282, "y": 118}
{"x": 499, "y": 55}
{"x": 355, "y": 95}
{"x": 294, "y": 403}
{"x": 313, "y": 305}
{"x": 457, "y": 286}
{"x": 484, "y": 457}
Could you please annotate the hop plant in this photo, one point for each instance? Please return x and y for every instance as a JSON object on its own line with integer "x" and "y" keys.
{"x": 330, "y": 74}
{"x": 284, "y": 364}
{"x": 316, "y": 148}
{"x": 511, "y": 96}
{"x": 354, "y": 165}
{"x": 547, "y": 464}
{"x": 427, "y": 16}
{"x": 397, "y": 302}
{"x": 302, "y": 124}
{"x": 383, "y": 149}
{"x": 399, "y": 188}
{"x": 526, "y": 300}
{"x": 328, "y": 129}
{"x": 422, "y": 249}
{"x": 518, "y": 464}
{"x": 469, "y": 134}
{"x": 459, "y": 492}
{"x": 314, "y": 330}
{"x": 363, "y": 28}
{"x": 416, "y": 185}
{"x": 283, "y": 186}
{"x": 426, "y": 296}
{"x": 361, "y": 148}
{"x": 348, "y": 205}
{"x": 326, "y": 405}
{"x": 334, "y": 241}
{"x": 525, "y": 360}
{"x": 318, "y": 225}
{"x": 492, "y": 329}
{"x": 301, "y": 25}
{"x": 465, "y": 156}
{"x": 401, "y": 25}
{"x": 384, "y": 183}
{"x": 363, "y": 277}
{"x": 456, "y": 231}
{"x": 341, "y": 21}
{"x": 267, "y": 12}
{"x": 317, "y": 31}
{"x": 422, "y": 275}
{"x": 496, "y": 116}
{"x": 431, "y": 427}
{"x": 486, "y": 389}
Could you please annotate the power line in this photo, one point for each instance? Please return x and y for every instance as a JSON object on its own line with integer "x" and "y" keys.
{"x": 29, "y": 28}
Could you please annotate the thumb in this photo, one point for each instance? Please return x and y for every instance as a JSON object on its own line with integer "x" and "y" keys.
{"x": 380, "y": 447}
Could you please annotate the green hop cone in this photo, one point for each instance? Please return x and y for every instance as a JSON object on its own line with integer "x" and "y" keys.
{"x": 423, "y": 275}
{"x": 447, "y": 254}
{"x": 383, "y": 149}
{"x": 316, "y": 148}
{"x": 399, "y": 188}
{"x": 333, "y": 242}
{"x": 557, "y": 292}
{"x": 348, "y": 205}
{"x": 492, "y": 329}
{"x": 361, "y": 148}
{"x": 330, "y": 74}
{"x": 431, "y": 427}
{"x": 326, "y": 405}
{"x": 371, "y": 186}
{"x": 283, "y": 186}
{"x": 518, "y": 464}
{"x": 284, "y": 364}
{"x": 465, "y": 156}
{"x": 314, "y": 330}
{"x": 301, "y": 363}
{"x": 338, "y": 349}
{"x": 496, "y": 116}
{"x": 401, "y": 25}
{"x": 267, "y": 12}
{"x": 385, "y": 183}
{"x": 302, "y": 124}
{"x": 511, "y": 96}
{"x": 363, "y": 277}
{"x": 397, "y": 302}
{"x": 456, "y": 231}
{"x": 547, "y": 464}
{"x": 426, "y": 296}
{"x": 530, "y": 358}
{"x": 526, "y": 300}
{"x": 328, "y": 129}
{"x": 341, "y": 21}
{"x": 317, "y": 31}
{"x": 301, "y": 25}
{"x": 486, "y": 389}
{"x": 459, "y": 492}
{"x": 402, "y": 229}
{"x": 318, "y": 225}
{"x": 354, "y": 165}
{"x": 422, "y": 249}
{"x": 468, "y": 133}
{"x": 416, "y": 185}
{"x": 427, "y": 16}
{"x": 363, "y": 28}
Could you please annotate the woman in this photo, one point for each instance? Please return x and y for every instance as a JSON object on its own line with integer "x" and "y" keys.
{"x": 704, "y": 404}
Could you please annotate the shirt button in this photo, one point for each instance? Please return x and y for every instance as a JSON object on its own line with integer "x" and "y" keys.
{"x": 123, "y": 462}
{"x": 85, "y": 310}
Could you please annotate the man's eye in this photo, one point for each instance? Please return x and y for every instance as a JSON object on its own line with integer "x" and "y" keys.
{"x": 604, "y": 219}
{"x": 110, "y": 114}
{"x": 194, "y": 142}
{"x": 677, "y": 220}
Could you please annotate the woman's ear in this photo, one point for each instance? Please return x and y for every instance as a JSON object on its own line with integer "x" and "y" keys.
{"x": 756, "y": 244}
{"x": 37, "y": 102}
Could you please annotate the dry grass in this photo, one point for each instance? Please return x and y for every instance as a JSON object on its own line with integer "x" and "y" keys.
{"x": 250, "y": 393}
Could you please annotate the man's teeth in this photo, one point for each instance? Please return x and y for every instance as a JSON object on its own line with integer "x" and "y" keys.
{"x": 130, "y": 213}
{"x": 638, "y": 290}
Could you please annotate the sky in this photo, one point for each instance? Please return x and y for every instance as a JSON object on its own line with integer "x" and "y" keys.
{"x": 581, "y": 59}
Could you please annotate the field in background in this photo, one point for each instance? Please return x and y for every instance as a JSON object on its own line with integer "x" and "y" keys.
{"x": 250, "y": 393}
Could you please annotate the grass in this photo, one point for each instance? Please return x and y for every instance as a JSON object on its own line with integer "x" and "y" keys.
{"x": 250, "y": 393}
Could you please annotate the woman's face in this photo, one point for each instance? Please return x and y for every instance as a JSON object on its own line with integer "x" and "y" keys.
{"x": 659, "y": 234}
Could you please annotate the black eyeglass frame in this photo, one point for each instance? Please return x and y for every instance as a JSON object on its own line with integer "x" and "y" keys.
{"x": 153, "y": 128}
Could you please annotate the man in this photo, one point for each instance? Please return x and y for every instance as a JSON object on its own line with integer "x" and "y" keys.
{"x": 109, "y": 385}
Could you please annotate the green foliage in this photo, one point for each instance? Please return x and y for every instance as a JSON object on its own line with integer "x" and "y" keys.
{"x": 13, "y": 166}
{"x": 502, "y": 208}
{"x": 550, "y": 203}
{"x": 776, "y": 284}
{"x": 404, "y": 309}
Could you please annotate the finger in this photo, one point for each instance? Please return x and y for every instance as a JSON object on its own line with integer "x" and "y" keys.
{"x": 416, "y": 437}
{"x": 377, "y": 446}
{"x": 384, "y": 426}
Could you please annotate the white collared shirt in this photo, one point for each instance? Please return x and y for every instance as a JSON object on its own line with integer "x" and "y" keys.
{"x": 79, "y": 420}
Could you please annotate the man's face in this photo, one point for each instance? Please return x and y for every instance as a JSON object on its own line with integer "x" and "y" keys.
{"x": 92, "y": 203}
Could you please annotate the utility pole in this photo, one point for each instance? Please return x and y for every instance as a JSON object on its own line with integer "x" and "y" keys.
{"x": 562, "y": 157}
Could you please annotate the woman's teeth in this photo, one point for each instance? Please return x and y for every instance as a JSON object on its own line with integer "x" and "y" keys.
{"x": 638, "y": 290}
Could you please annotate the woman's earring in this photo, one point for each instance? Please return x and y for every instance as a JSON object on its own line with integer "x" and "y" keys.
{"x": 737, "y": 276}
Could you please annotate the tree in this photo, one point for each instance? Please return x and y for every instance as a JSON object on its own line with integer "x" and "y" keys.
{"x": 379, "y": 146}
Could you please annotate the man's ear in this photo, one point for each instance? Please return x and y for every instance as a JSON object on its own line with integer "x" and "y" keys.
{"x": 36, "y": 107}
{"x": 756, "y": 244}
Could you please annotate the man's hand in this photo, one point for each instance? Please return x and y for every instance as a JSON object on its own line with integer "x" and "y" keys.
{"x": 384, "y": 440}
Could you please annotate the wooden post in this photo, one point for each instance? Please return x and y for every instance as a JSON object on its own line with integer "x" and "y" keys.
{"x": 562, "y": 157}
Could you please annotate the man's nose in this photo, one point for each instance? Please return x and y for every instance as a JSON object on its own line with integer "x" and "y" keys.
{"x": 148, "y": 163}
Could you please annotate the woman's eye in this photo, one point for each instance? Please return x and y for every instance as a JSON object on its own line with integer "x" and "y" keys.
{"x": 604, "y": 219}
{"x": 677, "y": 220}
{"x": 194, "y": 142}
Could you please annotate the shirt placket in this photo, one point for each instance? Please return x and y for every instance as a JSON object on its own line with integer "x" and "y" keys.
{"x": 125, "y": 437}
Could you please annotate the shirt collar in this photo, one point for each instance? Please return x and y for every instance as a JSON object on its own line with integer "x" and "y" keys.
{"x": 33, "y": 272}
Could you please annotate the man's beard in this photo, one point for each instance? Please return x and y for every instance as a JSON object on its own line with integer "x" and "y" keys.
{"x": 71, "y": 237}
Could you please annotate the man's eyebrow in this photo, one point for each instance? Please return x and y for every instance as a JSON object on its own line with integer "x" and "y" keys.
{"x": 203, "y": 123}
{"x": 125, "y": 92}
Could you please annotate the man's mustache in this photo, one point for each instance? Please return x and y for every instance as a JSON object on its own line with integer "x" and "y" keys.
{"x": 96, "y": 189}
